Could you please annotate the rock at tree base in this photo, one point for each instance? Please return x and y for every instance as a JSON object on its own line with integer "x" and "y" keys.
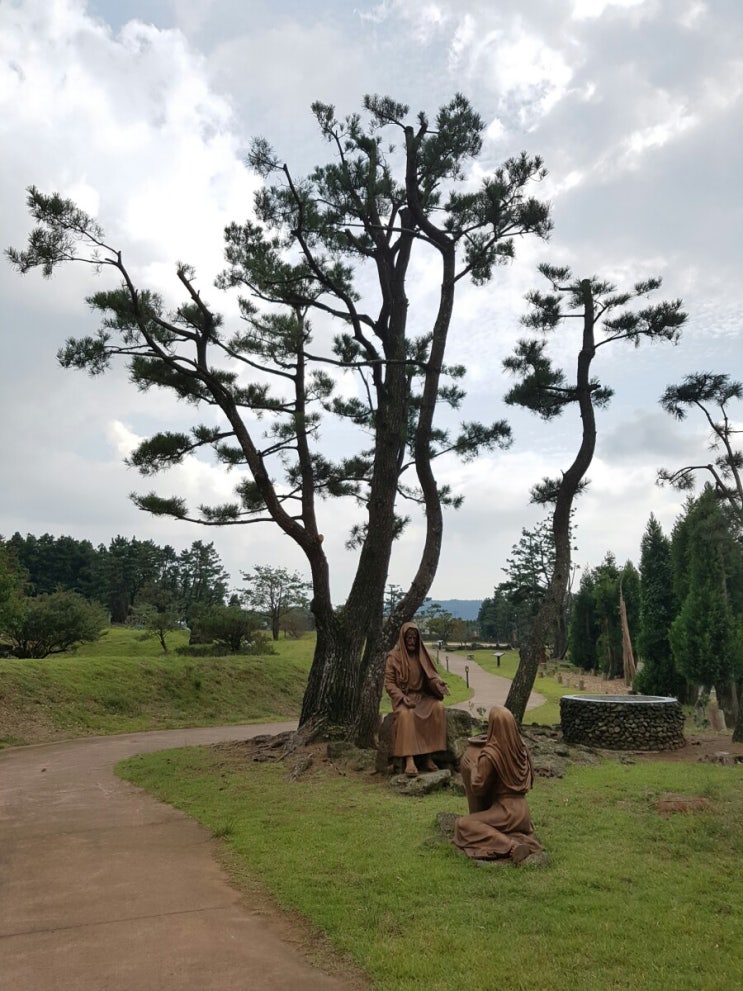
{"x": 352, "y": 757}
{"x": 424, "y": 784}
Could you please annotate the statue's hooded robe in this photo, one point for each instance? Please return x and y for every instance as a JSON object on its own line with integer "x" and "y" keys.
{"x": 413, "y": 676}
{"x": 497, "y": 775}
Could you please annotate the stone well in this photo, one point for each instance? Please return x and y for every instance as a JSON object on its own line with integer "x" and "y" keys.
{"x": 623, "y": 722}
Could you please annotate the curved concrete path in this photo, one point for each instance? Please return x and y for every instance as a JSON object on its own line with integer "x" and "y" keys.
{"x": 489, "y": 689}
{"x": 104, "y": 887}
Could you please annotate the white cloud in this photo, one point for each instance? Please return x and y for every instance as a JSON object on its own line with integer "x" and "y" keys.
{"x": 657, "y": 135}
{"x": 517, "y": 64}
{"x": 589, "y": 9}
{"x": 128, "y": 123}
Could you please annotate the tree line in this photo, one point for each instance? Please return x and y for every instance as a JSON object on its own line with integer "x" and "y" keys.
{"x": 684, "y": 606}
{"x": 120, "y": 575}
{"x": 56, "y": 592}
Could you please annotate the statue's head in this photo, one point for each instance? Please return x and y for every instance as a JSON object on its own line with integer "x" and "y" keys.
{"x": 501, "y": 724}
{"x": 410, "y": 637}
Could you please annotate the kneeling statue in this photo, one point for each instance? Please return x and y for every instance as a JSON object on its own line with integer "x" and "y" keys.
{"x": 497, "y": 773}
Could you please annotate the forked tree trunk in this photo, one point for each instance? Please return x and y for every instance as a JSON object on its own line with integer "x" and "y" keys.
{"x": 334, "y": 685}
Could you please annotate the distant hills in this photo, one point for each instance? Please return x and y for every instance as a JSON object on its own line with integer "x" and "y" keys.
{"x": 460, "y": 608}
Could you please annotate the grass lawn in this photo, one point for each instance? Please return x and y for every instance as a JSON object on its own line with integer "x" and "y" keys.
{"x": 124, "y": 684}
{"x": 631, "y": 899}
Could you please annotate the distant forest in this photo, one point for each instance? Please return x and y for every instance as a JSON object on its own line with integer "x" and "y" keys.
{"x": 120, "y": 575}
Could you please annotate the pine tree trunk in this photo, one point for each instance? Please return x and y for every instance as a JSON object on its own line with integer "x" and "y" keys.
{"x": 530, "y": 653}
{"x": 727, "y": 699}
{"x": 333, "y": 692}
{"x": 738, "y": 730}
{"x": 339, "y": 702}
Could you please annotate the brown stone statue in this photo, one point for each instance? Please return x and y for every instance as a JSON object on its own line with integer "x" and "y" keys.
{"x": 416, "y": 690}
{"x": 497, "y": 774}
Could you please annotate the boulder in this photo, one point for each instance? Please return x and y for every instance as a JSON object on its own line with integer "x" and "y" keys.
{"x": 423, "y": 784}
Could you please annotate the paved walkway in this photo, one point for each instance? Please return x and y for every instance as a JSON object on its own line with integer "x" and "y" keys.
{"x": 104, "y": 888}
{"x": 489, "y": 689}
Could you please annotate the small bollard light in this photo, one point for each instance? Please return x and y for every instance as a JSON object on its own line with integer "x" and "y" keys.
{"x": 467, "y": 674}
{"x": 447, "y": 662}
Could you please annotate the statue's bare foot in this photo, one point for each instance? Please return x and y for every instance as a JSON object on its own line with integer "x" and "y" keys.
{"x": 429, "y": 766}
{"x": 410, "y": 769}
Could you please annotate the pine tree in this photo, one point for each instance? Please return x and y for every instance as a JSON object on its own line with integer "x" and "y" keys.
{"x": 607, "y": 316}
{"x": 712, "y": 394}
{"x": 338, "y": 245}
{"x": 707, "y": 635}
{"x": 657, "y": 611}
{"x": 583, "y": 633}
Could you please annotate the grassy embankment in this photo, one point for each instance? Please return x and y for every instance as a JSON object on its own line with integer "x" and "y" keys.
{"x": 125, "y": 684}
{"x": 630, "y": 899}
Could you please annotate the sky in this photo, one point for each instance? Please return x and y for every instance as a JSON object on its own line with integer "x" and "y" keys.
{"x": 143, "y": 113}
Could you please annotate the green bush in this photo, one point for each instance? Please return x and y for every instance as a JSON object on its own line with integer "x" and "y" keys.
{"x": 51, "y": 624}
{"x": 259, "y": 644}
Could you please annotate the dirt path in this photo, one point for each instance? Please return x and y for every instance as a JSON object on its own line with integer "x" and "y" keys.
{"x": 105, "y": 887}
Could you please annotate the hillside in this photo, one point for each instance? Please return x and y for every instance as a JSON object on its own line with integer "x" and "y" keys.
{"x": 461, "y": 608}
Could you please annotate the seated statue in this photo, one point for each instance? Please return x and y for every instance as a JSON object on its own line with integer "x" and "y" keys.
{"x": 416, "y": 690}
{"x": 497, "y": 773}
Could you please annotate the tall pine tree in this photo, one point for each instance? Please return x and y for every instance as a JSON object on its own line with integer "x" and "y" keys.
{"x": 707, "y": 636}
{"x": 659, "y": 675}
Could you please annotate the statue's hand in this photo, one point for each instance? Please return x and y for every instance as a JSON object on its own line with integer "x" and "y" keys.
{"x": 407, "y": 702}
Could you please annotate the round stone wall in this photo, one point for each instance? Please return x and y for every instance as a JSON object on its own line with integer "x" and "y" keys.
{"x": 623, "y": 722}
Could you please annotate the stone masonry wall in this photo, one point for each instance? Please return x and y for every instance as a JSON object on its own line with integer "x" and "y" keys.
{"x": 626, "y": 724}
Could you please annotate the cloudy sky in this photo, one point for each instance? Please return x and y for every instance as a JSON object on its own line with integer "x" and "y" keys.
{"x": 143, "y": 110}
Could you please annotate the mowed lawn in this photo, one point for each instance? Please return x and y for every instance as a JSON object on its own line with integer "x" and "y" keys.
{"x": 631, "y": 899}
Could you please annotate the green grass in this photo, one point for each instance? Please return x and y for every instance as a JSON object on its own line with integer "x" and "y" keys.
{"x": 630, "y": 899}
{"x": 124, "y": 683}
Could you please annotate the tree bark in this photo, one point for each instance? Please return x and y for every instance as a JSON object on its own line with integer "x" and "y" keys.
{"x": 727, "y": 699}
{"x": 738, "y": 730}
